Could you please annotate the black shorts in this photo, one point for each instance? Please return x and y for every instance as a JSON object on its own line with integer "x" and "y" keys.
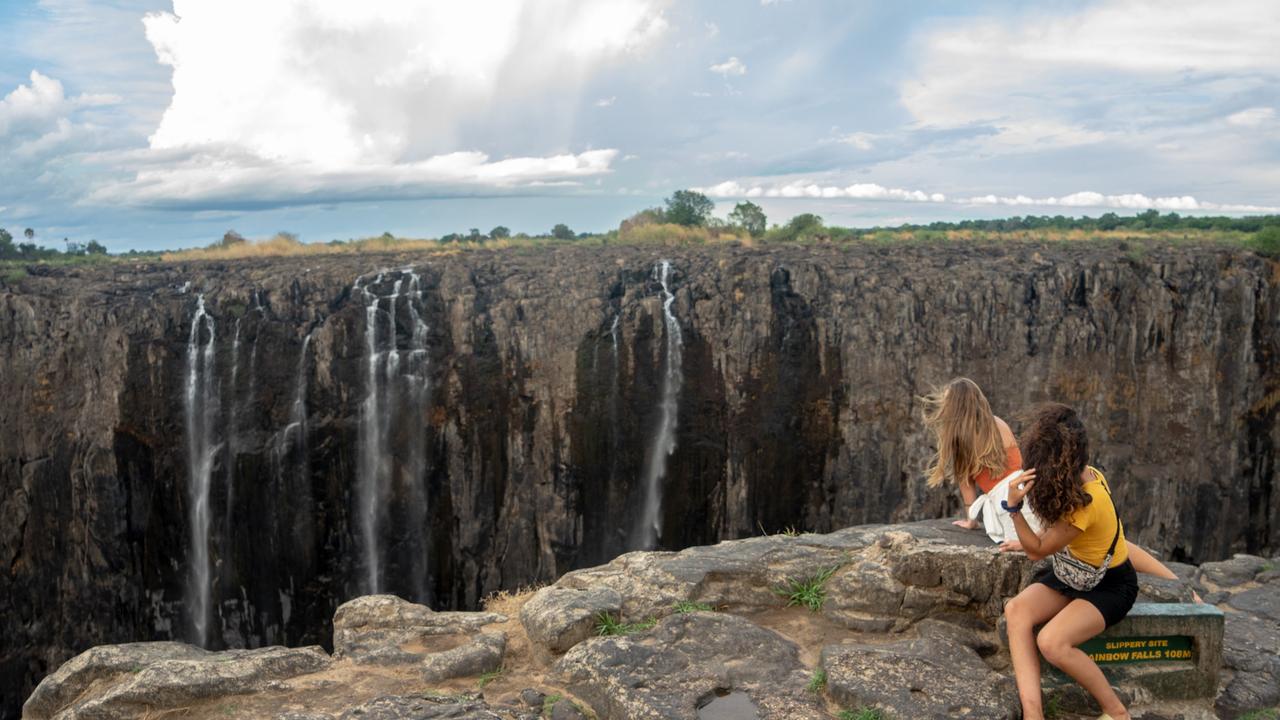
{"x": 1113, "y": 597}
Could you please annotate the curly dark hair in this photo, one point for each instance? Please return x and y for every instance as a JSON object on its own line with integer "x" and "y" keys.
{"x": 1056, "y": 445}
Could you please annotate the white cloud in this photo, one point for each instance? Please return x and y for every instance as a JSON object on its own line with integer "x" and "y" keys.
{"x": 713, "y": 30}
{"x": 1253, "y": 117}
{"x": 873, "y": 191}
{"x": 1104, "y": 71}
{"x": 372, "y": 93}
{"x": 607, "y": 102}
{"x": 860, "y": 140}
{"x": 41, "y": 104}
{"x": 732, "y": 66}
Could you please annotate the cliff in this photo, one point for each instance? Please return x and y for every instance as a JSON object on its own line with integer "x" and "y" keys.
{"x": 227, "y": 451}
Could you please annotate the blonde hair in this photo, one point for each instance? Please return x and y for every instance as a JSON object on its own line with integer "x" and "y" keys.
{"x": 966, "y": 433}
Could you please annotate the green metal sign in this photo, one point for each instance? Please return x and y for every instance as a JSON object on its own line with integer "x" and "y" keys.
{"x": 1139, "y": 649}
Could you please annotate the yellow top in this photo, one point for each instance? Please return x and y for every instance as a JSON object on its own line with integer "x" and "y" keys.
{"x": 1097, "y": 524}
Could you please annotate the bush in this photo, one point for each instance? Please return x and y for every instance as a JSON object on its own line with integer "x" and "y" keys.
{"x": 1266, "y": 241}
{"x": 689, "y": 208}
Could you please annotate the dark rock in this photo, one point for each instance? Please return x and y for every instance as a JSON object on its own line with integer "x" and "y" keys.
{"x": 922, "y": 678}
{"x": 565, "y": 709}
{"x": 669, "y": 671}
{"x": 1251, "y": 647}
{"x": 1262, "y": 601}
{"x": 532, "y": 697}
{"x": 960, "y": 635}
{"x": 1152, "y": 589}
{"x": 1239, "y": 570}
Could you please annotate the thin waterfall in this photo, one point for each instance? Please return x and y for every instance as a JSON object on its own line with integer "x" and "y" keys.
{"x": 393, "y": 421}
{"x": 664, "y": 437}
{"x": 298, "y": 410}
{"x": 371, "y": 479}
{"x": 201, "y": 413}
{"x": 233, "y": 441}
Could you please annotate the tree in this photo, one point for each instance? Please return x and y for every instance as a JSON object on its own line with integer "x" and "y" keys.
{"x": 562, "y": 232}
{"x": 95, "y": 248}
{"x": 473, "y": 235}
{"x": 750, "y": 217}
{"x": 648, "y": 216}
{"x": 689, "y": 208}
{"x": 28, "y": 233}
{"x": 6, "y": 245}
{"x": 804, "y": 223}
{"x": 73, "y": 248}
{"x": 1108, "y": 221}
{"x": 231, "y": 237}
{"x": 500, "y": 232}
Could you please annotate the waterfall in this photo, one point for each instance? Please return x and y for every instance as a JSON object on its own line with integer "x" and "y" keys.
{"x": 393, "y": 421}
{"x": 664, "y": 437}
{"x": 298, "y": 410}
{"x": 200, "y": 405}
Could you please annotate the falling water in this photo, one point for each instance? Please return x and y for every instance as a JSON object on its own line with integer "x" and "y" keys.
{"x": 298, "y": 410}
{"x": 396, "y": 391}
{"x": 201, "y": 412}
{"x": 664, "y": 439}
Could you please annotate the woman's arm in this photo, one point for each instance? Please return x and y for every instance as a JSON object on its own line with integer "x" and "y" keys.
{"x": 969, "y": 495}
{"x": 1054, "y": 537}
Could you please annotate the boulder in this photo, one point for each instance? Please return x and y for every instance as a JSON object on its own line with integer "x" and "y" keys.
{"x": 481, "y": 655}
{"x": 375, "y": 629}
{"x": 928, "y": 677}
{"x": 558, "y": 618}
{"x": 1239, "y": 570}
{"x": 682, "y": 663}
{"x": 165, "y": 677}
{"x": 1261, "y": 601}
{"x": 422, "y": 707}
{"x": 1251, "y": 648}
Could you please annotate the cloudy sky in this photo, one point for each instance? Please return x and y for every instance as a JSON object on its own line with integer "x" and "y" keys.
{"x": 163, "y": 123}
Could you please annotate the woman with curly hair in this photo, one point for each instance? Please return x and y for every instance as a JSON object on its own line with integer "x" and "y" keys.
{"x": 1091, "y": 584}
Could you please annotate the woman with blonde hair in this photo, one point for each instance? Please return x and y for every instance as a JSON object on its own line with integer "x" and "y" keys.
{"x": 976, "y": 449}
{"x": 1090, "y": 586}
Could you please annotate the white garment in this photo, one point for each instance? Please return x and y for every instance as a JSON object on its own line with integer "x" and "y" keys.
{"x": 997, "y": 522}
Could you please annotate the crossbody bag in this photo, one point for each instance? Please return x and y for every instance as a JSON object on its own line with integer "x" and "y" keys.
{"x": 1078, "y": 574}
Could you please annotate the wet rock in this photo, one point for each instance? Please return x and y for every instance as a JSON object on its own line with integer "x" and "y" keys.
{"x": 921, "y": 678}
{"x": 558, "y": 618}
{"x": 165, "y": 677}
{"x": 667, "y": 672}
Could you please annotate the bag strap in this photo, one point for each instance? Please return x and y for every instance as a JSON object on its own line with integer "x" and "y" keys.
{"x": 1103, "y": 482}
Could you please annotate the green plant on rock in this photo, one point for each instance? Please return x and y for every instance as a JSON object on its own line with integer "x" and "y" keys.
{"x": 863, "y": 713}
{"x": 607, "y": 624}
{"x": 548, "y": 703}
{"x": 688, "y": 606}
{"x": 818, "y": 682}
{"x": 1267, "y": 714}
{"x": 1053, "y": 706}
{"x": 810, "y": 592}
{"x": 488, "y": 677}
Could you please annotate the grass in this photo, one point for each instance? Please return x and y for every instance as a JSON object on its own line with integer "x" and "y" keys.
{"x": 488, "y": 677}
{"x": 688, "y": 606}
{"x": 818, "y": 682}
{"x": 810, "y": 592}
{"x": 609, "y": 625}
{"x": 1053, "y": 706}
{"x": 1266, "y": 714}
{"x": 863, "y": 713}
{"x": 13, "y": 275}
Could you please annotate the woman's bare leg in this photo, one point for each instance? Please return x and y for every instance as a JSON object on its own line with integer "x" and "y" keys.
{"x": 1036, "y": 604}
{"x": 1057, "y": 641}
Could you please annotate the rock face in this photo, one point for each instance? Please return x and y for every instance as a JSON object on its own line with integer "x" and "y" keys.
{"x": 519, "y": 452}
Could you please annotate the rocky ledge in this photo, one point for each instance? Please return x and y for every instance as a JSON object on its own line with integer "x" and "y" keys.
{"x": 902, "y": 618}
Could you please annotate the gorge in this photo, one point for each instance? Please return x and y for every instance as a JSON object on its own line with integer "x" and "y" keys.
{"x": 223, "y": 452}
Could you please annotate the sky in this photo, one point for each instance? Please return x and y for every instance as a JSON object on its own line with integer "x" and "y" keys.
{"x": 149, "y": 124}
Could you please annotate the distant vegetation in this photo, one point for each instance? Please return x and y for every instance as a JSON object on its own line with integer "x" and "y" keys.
{"x": 686, "y": 219}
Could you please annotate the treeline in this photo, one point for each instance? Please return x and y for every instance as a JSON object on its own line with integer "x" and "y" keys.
{"x": 1146, "y": 220}
{"x": 9, "y": 250}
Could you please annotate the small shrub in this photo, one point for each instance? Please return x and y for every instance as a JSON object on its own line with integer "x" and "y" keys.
{"x": 1267, "y": 714}
{"x": 13, "y": 276}
{"x": 810, "y": 593}
{"x": 818, "y": 682}
{"x": 1053, "y": 706}
{"x": 688, "y": 606}
{"x": 1267, "y": 241}
{"x": 549, "y": 703}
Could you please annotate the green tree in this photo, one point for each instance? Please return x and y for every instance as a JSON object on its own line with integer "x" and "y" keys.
{"x": 562, "y": 232}
{"x": 804, "y": 223}
{"x": 689, "y": 208}
{"x": 500, "y": 232}
{"x": 1108, "y": 221}
{"x": 28, "y": 233}
{"x": 95, "y": 248}
{"x": 7, "y": 250}
{"x": 473, "y": 235}
{"x": 750, "y": 217}
{"x": 231, "y": 237}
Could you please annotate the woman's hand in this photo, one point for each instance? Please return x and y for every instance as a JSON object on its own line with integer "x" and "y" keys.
{"x": 1011, "y": 546}
{"x": 1021, "y": 485}
{"x": 966, "y": 524}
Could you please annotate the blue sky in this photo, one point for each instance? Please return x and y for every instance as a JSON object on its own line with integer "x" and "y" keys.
{"x": 149, "y": 124}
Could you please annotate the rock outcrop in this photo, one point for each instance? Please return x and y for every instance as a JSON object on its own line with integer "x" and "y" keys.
{"x": 668, "y": 652}
{"x": 515, "y": 452}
